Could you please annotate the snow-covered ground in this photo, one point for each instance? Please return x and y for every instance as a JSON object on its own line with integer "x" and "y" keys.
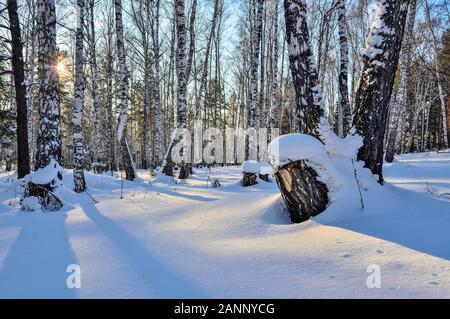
{"x": 187, "y": 240}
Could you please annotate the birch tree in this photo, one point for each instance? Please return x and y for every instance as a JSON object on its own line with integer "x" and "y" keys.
{"x": 343, "y": 68}
{"x": 274, "y": 63}
{"x": 192, "y": 38}
{"x": 181, "y": 63}
{"x": 109, "y": 55}
{"x": 399, "y": 101}
{"x": 158, "y": 147}
{"x": 253, "y": 116}
{"x": 142, "y": 15}
{"x": 127, "y": 161}
{"x": 203, "y": 80}
{"x": 380, "y": 61}
{"x": 30, "y": 62}
{"x": 49, "y": 135}
{"x": 99, "y": 151}
{"x": 438, "y": 76}
{"x": 78, "y": 104}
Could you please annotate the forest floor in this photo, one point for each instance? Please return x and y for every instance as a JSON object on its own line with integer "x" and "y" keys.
{"x": 187, "y": 240}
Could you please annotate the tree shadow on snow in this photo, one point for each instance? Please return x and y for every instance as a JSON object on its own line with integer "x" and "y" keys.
{"x": 173, "y": 193}
{"x": 36, "y": 264}
{"x": 164, "y": 283}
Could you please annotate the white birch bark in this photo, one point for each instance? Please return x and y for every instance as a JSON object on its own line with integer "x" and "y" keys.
{"x": 181, "y": 63}
{"x": 254, "y": 109}
{"x": 203, "y": 84}
{"x": 399, "y": 101}
{"x": 99, "y": 153}
{"x": 49, "y": 136}
{"x": 309, "y": 101}
{"x": 127, "y": 160}
{"x": 438, "y": 77}
{"x": 78, "y": 104}
{"x": 344, "y": 111}
{"x": 158, "y": 147}
{"x": 274, "y": 88}
{"x": 380, "y": 60}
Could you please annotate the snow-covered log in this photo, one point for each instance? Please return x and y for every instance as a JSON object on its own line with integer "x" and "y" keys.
{"x": 42, "y": 185}
{"x": 296, "y": 158}
{"x": 251, "y": 170}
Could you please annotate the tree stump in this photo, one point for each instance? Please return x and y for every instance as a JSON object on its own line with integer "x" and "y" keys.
{"x": 44, "y": 193}
{"x": 168, "y": 169}
{"x": 249, "y": 179}
{"x": 185, "y": 171}
{"x": 303, "y": 193}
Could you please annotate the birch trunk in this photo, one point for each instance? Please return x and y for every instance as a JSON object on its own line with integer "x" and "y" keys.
{"x": 78, "y": 104}
{"x": 253, "y": 116}
{"x": 99, "y": 153}
{"x": 438, "y": 77}
{"x": 158, "y": 147}
{"x": 49, "y": 136}
{"x": 380, "y": 61}
{"x": 111, "y": 145}
{"x": 399, "y": 104}
{"x": 274, "y": 90}
{"x": 181, "y": 92}
{"x": 127, "y": 160}
{"x": 345, "y": 111}
{"x": 203, "y": 80}
{"x": 191, "y": 39}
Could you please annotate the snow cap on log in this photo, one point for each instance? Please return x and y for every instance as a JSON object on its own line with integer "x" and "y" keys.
{"x": 256, "y": 167}
{"x": 49, "y": 174}
{"x": 295, "y": 147}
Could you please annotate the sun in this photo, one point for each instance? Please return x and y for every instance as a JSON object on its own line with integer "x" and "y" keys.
{"x": 60, "y": 67}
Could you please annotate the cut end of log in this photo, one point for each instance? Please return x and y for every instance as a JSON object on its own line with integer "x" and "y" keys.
{"x": 249, "y": 179}
{"x": 305, "y": 196}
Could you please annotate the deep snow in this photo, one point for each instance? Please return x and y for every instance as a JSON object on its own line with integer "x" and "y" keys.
{"x": 187, "y": 240}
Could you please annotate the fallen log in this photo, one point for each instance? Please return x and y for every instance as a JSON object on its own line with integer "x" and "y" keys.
{"x": 304, "y": 195}
{"x": 42, "y": 185}
{"x": 249, "y": 179}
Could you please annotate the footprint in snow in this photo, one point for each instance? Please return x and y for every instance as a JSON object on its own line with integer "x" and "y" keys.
{"x": 434, "y": 283}
{"x": 380, "y": 251}
{"x": 346, "y": 255}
